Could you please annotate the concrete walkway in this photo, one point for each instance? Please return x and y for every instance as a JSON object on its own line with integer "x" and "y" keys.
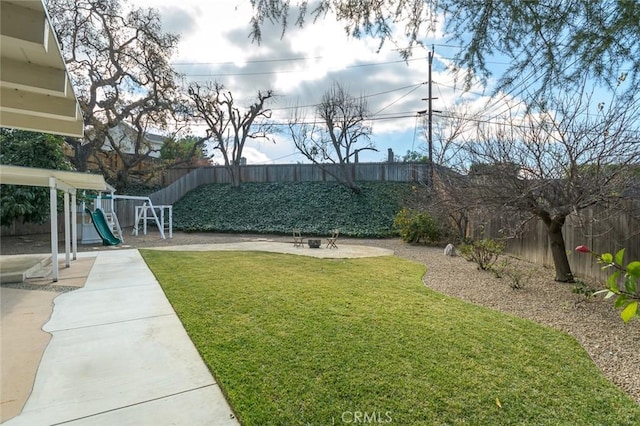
{"x": 119, "y": 355}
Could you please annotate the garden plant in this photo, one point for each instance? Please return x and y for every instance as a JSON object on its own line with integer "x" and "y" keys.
{"x": 622, "y": 282}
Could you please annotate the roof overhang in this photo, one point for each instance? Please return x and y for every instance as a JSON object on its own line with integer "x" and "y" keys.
{"x": 35, "y": 90}
{"x": 29, "y": 176}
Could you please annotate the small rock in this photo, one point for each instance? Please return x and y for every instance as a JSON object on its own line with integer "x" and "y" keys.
{"x": 450, "y": 250}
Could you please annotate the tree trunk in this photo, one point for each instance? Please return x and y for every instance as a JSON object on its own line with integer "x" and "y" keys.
{"x": 122, "y": 179}
{"x": 346, "y": 169}
{"x": 234, "y": 174}
{"x": 558, "y": 250}
{"x": 81, "y": 154}
{"x": 462, "y": 221}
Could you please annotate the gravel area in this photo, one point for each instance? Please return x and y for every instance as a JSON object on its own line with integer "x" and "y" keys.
{"x": 594, "y": 323}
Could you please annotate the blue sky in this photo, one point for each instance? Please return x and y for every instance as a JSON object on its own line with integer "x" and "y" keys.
{"x": 300, "y": 67}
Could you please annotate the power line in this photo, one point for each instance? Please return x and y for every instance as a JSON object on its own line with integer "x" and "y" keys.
{"x": 398, "y": 99}
{"x": 305, "y": 58}
{"x": 413, "y": 86}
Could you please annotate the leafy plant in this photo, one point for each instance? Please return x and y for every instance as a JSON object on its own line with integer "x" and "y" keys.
{"x": 277, "y": 208}
{"x": 484, "y": 252}
{"x": 584, "y": 289}
{"x": 622, "y": 282}
{"x": 517, "y": 276}
{"x": 29, "y": 149}
{"x": 415, "y": 226}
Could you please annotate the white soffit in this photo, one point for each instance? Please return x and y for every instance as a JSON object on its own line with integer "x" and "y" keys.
{"x": 29, "y": 176}
{"x": 35, "y": 91}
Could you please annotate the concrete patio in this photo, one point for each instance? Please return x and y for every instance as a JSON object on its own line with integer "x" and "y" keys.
{"x": 117, "y": 353}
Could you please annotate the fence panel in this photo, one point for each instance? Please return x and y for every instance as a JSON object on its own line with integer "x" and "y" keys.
{"x": 254, "y": 174}
{"x": 394, "y": 172}
{"x": 599, "y": 228}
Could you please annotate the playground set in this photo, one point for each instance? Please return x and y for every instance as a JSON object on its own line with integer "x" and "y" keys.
{"x": 102, "y": 218}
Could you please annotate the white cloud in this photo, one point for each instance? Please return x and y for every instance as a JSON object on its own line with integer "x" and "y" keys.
{"x": 301, "y": 66}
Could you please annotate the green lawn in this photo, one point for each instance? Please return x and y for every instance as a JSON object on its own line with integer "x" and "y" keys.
{"x": 299, "y": 340}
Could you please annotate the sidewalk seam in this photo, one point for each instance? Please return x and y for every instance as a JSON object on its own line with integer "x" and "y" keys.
{"x": 134, "y": 404}
{"x": 110, "y": 323}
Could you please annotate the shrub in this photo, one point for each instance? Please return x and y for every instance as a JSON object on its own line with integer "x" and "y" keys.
{"x": 484, "y": 252}
{"x": 518, "y": 276}
{"x": 584, "y": 289}
{"x": 414, "y": 226}
{"x": 276, "y": 208}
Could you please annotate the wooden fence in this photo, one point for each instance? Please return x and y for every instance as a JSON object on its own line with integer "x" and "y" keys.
{"x": 19, "y": 228}
{"x": 394, "y": 172}
{"x": 183, "y": 180}
{"x": 597, "y": 228}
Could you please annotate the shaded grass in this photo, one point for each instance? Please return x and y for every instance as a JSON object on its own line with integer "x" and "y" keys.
{"x": 297, "y": 340}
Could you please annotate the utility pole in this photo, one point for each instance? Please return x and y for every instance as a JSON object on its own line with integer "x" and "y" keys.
{"x": 430, "y": 112}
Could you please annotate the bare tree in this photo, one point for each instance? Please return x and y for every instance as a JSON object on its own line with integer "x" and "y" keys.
{"x": 227, "y": 125}
{"x": 569, "y": 155}
{"x": 338, "y": 136}
{"x": 449, "y": 130}
{"x": 119, "y": 62}
{"x": 445, "y": 195}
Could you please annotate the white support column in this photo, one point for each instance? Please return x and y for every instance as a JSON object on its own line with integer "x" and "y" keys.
{"x": 74, "y": 224}
{"x": 67, "y": 233}
{"x": 144, "y": 218}
{"x": 53, "y": 211}
{"x": 137, "y": 221}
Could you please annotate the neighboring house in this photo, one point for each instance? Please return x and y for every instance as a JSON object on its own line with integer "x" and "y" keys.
{"x": 125, "y": 137}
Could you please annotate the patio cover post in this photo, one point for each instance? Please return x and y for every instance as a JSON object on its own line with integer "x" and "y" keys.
{"x": 53, "y": 211}
{"x": 67, "y": 236}
{"x": 56, "y": 180}
{"x": 68, "y": 189}
{"x": 74, "y": 224}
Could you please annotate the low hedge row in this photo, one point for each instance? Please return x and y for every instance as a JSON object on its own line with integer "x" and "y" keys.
{"x": 277, "y": 208}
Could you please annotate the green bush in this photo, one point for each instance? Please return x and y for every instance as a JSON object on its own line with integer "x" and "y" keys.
{"x": 276, "y": 208}
{"x": 484, "y": 252}
{"x": 518, "y": 277}
{"x": 415, "y": 226}
{"x": 584, "y": 289}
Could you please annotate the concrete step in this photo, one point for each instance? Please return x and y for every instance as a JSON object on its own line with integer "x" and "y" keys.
{"x": 15, "y": 269}
{"x": 40, "y": 270}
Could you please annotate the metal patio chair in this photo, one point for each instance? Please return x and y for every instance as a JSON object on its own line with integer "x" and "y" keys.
{"x": 297, "y": 237}
{"x": 331, "y": 241}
